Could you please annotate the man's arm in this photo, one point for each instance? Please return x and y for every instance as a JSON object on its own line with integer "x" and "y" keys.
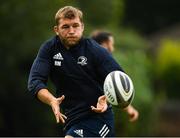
{"x": 40, "y": 70}
{"x": 46, "y": 97}
{"x": 132, "y": 112}
{"x": 37, "y": 82}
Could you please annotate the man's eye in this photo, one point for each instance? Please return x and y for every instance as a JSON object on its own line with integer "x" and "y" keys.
{"x": 65, "y": 27}
{"x": 75, "y": 25}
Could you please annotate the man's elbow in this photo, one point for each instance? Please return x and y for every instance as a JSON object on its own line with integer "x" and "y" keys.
{"x": 31, "y": 87}
{"x": 35, "y": 86}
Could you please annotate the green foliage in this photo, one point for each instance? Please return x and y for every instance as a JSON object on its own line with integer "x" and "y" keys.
{"x": 168, "y": 67}
{"x": 129, "y": 40}
{"x": 168, "y": 55}
{"x": 100, "y": 13}
{"x": 130, "y": 53}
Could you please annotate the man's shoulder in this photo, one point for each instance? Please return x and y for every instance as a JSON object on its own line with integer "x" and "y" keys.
{"x": 94, "y": 47}
{"x": 49, "y": 45}
{"x": 92, "y": 44}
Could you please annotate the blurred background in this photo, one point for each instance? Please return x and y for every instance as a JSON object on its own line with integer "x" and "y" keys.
{"x": 147, "y": 45}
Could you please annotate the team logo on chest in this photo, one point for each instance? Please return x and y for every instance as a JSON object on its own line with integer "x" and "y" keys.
{"x": 58, "y": 58}
{"x": 82, "y": 60}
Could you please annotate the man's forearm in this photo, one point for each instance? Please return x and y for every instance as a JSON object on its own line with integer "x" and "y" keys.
{"x": 45, "y": 96}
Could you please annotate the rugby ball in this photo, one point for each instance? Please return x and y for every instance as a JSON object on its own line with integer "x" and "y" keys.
{"x": 119, "y": 89}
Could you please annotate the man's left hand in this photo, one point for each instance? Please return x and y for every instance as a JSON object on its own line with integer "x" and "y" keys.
{"x": 101, "y": 105}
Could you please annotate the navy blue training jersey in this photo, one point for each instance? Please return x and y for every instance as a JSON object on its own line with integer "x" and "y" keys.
{"x": 78, "y": 73}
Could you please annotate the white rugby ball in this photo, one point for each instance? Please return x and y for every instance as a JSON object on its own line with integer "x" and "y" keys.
{"x": 119, "y": 89}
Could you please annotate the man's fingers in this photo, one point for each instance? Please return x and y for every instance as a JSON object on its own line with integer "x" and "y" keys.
{"x": 97, "y": 110}
{"x": 57, "y": 117}
{"x": 103, "y": 97}
{"x": 60, "y": 117}
{"x": 63, "y": 116}
{"x": 102, "y": 100}
{"x": 93, "y": 108}
{"x": 134, "y": 117}
{"x": 56, "y": 109}
{"x": 101, "y": 105}
{"x": 61, "y": 98}
{"x": 104, "y": 109}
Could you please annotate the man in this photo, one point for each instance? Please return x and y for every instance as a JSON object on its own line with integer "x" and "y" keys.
{"x": 77, "y": 67}
{"x": 106, "y": 40}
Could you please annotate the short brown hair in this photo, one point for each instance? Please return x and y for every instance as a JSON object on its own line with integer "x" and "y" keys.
{"x": 68, "y": 12}
{"x": 101, "y": 36}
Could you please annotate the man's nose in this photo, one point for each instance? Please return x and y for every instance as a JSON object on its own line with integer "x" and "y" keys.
{"x": 71, "y": 30}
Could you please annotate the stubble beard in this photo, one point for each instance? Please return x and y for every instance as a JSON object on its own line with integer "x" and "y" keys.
{"x": 70, "y": 43}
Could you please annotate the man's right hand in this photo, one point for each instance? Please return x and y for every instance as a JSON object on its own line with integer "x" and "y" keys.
{"x": 56, "y": 109}
{"x": 46, "y": 97}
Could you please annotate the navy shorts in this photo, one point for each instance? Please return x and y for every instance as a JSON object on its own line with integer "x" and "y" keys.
{"x": 93, "y": 126}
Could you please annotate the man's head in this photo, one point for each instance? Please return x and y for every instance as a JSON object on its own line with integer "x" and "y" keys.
{"x": 69, "y": 25}
{"x": 105, "y": 39}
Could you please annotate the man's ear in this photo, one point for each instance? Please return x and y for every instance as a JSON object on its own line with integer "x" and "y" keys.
{"x": 56, "y": 30}
{"x": 105, "y": 45}
{"x": 83, "y": 26}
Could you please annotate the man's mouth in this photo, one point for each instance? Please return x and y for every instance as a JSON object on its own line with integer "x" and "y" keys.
{"x": 71, "y": 37}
